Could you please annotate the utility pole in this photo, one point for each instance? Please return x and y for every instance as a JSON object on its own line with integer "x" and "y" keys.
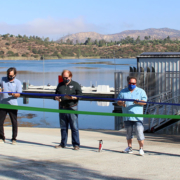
{"x": 42, "y": 58}
{"x": 114, "y": 61}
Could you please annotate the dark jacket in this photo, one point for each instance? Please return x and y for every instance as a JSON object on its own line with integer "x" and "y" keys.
{"x": 73, "y": 88}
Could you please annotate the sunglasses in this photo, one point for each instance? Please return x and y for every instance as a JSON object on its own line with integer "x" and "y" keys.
{"x": 132, "y": 83}
{"x": 65, "y": 77}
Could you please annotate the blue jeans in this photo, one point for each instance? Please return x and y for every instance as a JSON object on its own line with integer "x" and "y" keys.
{"x": 139, "y": 128}
{"x": 65, "y": 121}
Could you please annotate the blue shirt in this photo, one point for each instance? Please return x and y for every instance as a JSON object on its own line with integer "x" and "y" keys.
{"x": 132, "y": 108}
{"x": 7, "y": 86}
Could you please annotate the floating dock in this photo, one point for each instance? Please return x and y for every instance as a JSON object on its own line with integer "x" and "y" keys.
{"x": 99, "y": 91}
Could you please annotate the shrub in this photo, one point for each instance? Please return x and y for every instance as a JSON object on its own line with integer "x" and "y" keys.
{"x": 16, "y": 54}
{"x": 10, "y": 53}
{"x": 59, "y": 56}
{"x": 36, "y": 56}
{"x": 34, "y": 51}
{"x": 1, "y": 52}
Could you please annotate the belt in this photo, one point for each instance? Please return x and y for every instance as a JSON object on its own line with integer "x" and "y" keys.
{"x": 64, "y": 107}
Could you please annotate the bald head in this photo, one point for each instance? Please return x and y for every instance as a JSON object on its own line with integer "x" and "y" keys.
{"x": 66, "y": 73}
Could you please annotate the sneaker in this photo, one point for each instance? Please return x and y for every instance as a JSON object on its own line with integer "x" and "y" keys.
{"x": 76, "y": 148}
{"x": 2, "y": 141}
{"x": 128, "y": 150}
{"x": 13, "y": 142}
{"x": 141, "y": 152}
{"x": 59, "y": 146}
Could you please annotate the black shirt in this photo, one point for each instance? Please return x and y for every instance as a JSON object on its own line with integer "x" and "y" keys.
{"x": 73, "y": 88}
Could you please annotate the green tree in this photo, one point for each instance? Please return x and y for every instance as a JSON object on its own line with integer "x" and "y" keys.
{"x": 127, "y": 40}
{"x": 71, "y": 42}
{"x": 138, "y": 40}
{"x": 1, "y": 52}
{"x": 30, "y": 37}
{"x": 55, "y": 53}
{"x": 19, "y": 36}
{"x": 96, "y": 42}
{"x": 102, "y": 43}
{"x": 88, "y": 41}
{"x": 59, "y": 55}
{"x": 16, "y": 54}
{"x": 10, "y": 53}
{"x": 146, "y": 37}
{"x": 78, "y": 53}
{"x": 24, "y": 55}
{"x": 34, "y": 51}
{"x": 68, "y": 41}
{"x": 5, "y": 36}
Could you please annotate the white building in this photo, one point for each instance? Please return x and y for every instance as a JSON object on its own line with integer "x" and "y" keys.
{"x": 163, "y": 69}
{"x": 160, "y": 61}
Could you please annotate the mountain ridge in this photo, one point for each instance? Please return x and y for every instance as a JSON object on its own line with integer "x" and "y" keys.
{"x": 154, "y": 33}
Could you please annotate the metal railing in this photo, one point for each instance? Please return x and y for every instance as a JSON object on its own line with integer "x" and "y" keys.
{"x": 153, "y": 83}
{"x": 157, "y": 98}
{"x": 163, "y": 109}
{"x": 160, "y": 87}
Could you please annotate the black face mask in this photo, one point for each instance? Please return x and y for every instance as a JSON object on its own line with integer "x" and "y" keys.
{"x": 10, "y": 78}
{"x": 65, "y": 80}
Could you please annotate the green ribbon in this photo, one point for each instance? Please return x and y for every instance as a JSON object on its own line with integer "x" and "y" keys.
{"x": 26, "y": 108}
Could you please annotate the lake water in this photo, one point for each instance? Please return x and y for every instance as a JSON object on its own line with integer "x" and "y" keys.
{"x": 85, "y": 71}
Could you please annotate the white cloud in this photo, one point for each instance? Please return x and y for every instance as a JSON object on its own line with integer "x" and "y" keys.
{"x": 127, "y": 25}
{"x": 49, "y": 27}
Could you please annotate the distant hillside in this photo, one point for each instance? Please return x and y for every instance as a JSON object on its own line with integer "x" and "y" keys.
{"x": 33, "y": 47}
{"x": 152, "y": 32}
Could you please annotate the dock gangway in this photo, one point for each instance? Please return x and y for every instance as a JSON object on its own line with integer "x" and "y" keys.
{"x": 161, "y": 88}
{"x": 152, "y": 124}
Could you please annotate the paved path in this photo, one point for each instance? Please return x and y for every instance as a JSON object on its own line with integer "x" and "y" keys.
{"x": 34, "y": 157}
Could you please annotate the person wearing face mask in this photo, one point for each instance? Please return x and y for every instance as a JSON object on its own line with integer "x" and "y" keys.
{"x": 12, "y": 85}
{"x": 136, "y": 107}
{"x": 69, "y": 101}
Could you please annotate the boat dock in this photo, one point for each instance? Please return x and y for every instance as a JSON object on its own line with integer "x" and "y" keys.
{"x": 157, "y": 73}
{"x": 99, "y": 91}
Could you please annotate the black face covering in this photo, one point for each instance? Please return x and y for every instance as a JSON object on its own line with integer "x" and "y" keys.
{"x": 65, "y": 80}
{"x": 10, "y": 78}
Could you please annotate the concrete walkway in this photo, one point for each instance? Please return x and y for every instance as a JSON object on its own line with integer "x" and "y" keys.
{"x": 34, "y": 157}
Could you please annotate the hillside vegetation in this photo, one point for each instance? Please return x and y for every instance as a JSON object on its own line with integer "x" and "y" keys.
{"x": 34, "y": 47}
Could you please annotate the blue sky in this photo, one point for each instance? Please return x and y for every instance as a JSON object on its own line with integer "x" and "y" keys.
{"x": 55, "y": 18}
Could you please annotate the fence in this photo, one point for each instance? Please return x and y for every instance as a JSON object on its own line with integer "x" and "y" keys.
{"x": 160, "y": 87}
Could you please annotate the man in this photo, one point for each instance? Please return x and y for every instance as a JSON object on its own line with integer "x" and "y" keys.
{"x": 9, "y": 84}
{"x": 68, "y": 102}
{"x": 136, "y": 107}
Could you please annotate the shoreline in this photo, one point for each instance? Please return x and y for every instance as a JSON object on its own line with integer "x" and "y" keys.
{"x": 54, "y": 58}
